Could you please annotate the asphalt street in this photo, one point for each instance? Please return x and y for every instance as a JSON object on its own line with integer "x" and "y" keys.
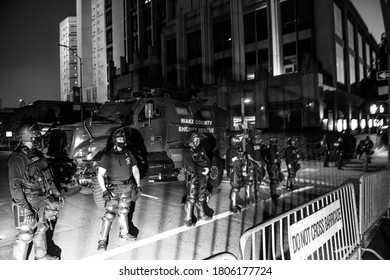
{"x": 159, "y": 216}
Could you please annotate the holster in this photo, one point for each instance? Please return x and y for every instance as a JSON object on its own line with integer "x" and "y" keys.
{"x": 52, "y": 207}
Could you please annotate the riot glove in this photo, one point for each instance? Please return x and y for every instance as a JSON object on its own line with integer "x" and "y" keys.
{"x": 28, "y": 214}
{"x": 205, "y": 171}
{"x": 107, "y": 195}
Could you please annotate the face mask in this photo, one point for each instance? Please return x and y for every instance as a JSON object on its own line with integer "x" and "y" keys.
{"x": 119, "y": 143}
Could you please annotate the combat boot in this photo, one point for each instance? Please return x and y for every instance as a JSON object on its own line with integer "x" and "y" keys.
{"x": 104, "y": 230}
{"x": 189, "y": 209}
{"x": 234, "y": 207}
{"x": 201, "y": 214}
{"x": 248, "y": 194}
{"x": 47, "y": 257}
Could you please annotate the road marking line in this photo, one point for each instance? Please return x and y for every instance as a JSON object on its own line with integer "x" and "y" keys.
{"x": 150, "y": 196}
{"x": 309, "y": 170}
{"x": 151, "y": 239}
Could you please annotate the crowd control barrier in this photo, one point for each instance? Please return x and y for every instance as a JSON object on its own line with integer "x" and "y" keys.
{"x": 374, "y": 203}
{"x": 325, "y": 228}
{"x": 224, "y": 256}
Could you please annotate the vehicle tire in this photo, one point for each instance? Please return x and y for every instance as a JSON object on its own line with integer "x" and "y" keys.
{"x": 98, "y": 194}
{"x": 216, "y": 171}
{"x": 68, "y": 189}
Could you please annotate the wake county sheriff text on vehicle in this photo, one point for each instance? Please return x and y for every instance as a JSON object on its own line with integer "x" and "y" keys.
{"x": 189, "y": 122}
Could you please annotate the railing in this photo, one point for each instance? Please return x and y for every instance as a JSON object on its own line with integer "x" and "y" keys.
{"x": 325, "y": 228}
{"x": 222, "y": 256}
{"x": 374, "y": 202}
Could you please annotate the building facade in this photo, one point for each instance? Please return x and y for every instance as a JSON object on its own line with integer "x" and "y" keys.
{"x": 299, "y": 61}
{"x": 68, "y": 61}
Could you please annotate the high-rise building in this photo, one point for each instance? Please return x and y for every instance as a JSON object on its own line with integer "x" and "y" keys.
{"x": 300, "y": 61}
{"x": 68, "y": 60}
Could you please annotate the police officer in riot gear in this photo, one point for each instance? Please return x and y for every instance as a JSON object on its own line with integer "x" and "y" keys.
{"x": 119, "y": 178}
{"x": 236, "y": 161}
{"x": 273, "y": 161}
{"x": 197, "y": 166}
{"x": 292, "y": 157}
{"x": 256, "y": 160}
{"x": 35, "y": 199}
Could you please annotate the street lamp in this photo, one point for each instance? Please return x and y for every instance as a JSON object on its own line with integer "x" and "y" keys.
{"x": 243, "y": 101}
{"x": 21, "y": 103}
{"x": 81, "y": 76}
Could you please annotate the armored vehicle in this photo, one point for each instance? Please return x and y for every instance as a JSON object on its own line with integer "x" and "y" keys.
{"x": 156, "y": 122}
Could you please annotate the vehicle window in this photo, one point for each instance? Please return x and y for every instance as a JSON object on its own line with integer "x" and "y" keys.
{"x": 109, "y": 109}
{"x": 207, "y": 114}
{"x": 183, "y": 110}
{"x": 157, "y": 113}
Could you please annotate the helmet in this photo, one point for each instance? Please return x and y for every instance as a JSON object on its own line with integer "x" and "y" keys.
{"x": 235, "y": 141}
{"x": 273, "y": 142}
{"x": 28, "y": 132}
{"x": 118, "y": 138}
{"x": 194, "y": 139}
{"x": 291, "y": 141}
{"x": 256, "y": 136}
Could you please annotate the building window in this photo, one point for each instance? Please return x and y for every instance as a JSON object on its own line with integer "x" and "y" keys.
{"x": 108, "y": 18}
{"x": 262, "y": 59}
{"x": 360, "y": 45}
{"x": 340, "y": 64}
{"x": 261, "y": 24}
{"x": 195, "y": 75}
{"x": 223, "y": 70}
{"x": 222, "y": 36}
{"x": 368, "y": 60}
{"x": 194, "y": 43}
{"x": 352, "y": 73}
{"x": 351, "y": 36}
{"x": 338, "y": 21}
{"x": 249, "y": 28}
{"x": 256, "y": 26}
{"x": 250, "y": 59}
{"x": 109, "y": 36}
{"x": 295, "y": 15}
{"x": 109, "y": 55}
{"x": 171, "y": 52}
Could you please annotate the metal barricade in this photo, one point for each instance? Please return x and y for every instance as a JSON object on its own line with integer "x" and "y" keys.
{"x": 374, "y": 202}
{"x": 222, "y": 256}
{"x": 325, "y": 228}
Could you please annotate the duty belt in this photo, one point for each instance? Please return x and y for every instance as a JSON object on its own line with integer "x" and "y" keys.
{"x": 125, "y": 182}
{"x": 33, "y": 193}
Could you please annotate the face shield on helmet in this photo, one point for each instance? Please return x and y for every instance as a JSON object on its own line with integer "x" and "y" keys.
{"x": 256, "y": 137}
{"x": 30, "y": 135}
{"x": 291, "y": 141}
{"x": 194, "y": 139}
{"x": 235, "y": 142}
{"x": 273, "y": 143}
{"x": 119, "y": 138}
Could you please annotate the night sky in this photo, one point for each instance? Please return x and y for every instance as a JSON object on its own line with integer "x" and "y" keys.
{"x": 29, "y": 55}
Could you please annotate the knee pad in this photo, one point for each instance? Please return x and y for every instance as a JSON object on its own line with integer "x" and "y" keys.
{"x": 234, "y": 191}
{"x": 109, "y": 216}
{"x": 124, "y": 201}
{"x": 190, "y": 200}
{"x": 234, "y": 185}
{"x": 25, "y": 237}
{"x": 41, "y": 228}
{"x": 112, "y": 207}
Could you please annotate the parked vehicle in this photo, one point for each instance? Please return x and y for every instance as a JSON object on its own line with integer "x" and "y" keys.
{"x": 156, "y": 122}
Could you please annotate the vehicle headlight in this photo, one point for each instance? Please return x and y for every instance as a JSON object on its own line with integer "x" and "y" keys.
{"x": 85, "y": 152}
